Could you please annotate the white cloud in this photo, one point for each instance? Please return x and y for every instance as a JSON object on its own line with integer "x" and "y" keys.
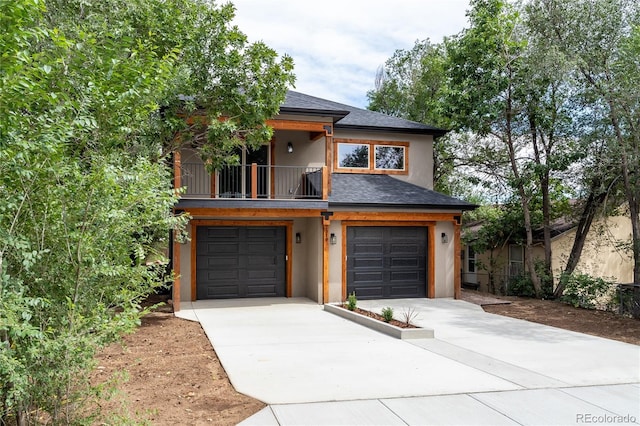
{"x": 337, "y": 45}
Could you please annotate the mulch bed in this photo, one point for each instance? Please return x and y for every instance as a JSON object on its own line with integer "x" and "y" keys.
{"x": 379, "y": 317}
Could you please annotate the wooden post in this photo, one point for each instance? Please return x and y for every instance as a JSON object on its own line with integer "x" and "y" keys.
{"x": 177, "y": 170}
{"x": 456, "y": 261}
{"x": 431, "y": 262}
{"x": 325, "y": 182}
{"x": 254, "y": 180}
{"x": 176, "y": 272}
{"x": 325, "y": 260}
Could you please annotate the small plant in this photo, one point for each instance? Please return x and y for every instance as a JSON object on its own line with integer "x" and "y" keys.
{"x": 387, "y": 314}
{"x": 352, "y": 301}
{"x": 408, "y": 315}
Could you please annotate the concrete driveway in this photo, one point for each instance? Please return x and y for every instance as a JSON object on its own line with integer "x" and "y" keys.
{"x": 480, "y": 367}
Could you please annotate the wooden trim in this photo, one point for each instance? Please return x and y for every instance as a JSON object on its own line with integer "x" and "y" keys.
{"x": 194, "y": 255}
{"x": 372, "y": 155}
{"x": 289, "y": 259}
{"x": 329, "y": 160}
{"x": 253, "y": 212}
{"x": 431, "y": 262}
{"x": 309, "y": 126}
{"x": 394, "y": 216}
{"x": 389, "y": 223}
{"x": 177, "y": 170}
{"x": 272, "y": 170}
{"x": 325, "y": 261}
{"x": 254, "y": 180}
{"x": 457, "y": 246}
{"x": 344, "y": 260}
{"x": 175, "y": 296}
{"x": 195, "y": 223}
{"x": 325, "y": 183}
{"x": 222, "y": 222}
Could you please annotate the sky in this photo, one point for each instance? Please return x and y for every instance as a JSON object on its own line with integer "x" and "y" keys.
{"x": 337, "y": 45}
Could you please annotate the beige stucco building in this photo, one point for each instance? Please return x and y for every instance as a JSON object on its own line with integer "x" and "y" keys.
{"x": 340, "y": 201}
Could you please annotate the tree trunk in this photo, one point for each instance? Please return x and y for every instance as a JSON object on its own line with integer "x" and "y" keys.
{"x": 594, "y": 201}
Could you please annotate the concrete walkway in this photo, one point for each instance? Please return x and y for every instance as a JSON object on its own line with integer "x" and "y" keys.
{"x": 313, "y": 367}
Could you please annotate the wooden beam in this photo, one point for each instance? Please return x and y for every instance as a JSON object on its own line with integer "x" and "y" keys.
{"x": 253, "y": 212}
{"x": 325, "y": 183}
{"x": 394, "y": 216}
{"x": 431, "y": 262}
{"x": 177, "y": 170}
{"x": 325, "y": 261}
{"x": 193, "y": 260}
{"x": 175, "y": 296}
{"x": 456, "y": 262}
{"x": 289, "y": 260}
{"x": 344, "y": 261}
{"x": 309, "y": 126}
{"x": 254, "y": 180}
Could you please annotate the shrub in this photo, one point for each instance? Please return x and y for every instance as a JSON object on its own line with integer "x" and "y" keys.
{"x": 585, "y": 291}
{"x": 387, "y": 314}
{"x": 408, "y": 315}
{"x": 352, "y": 301}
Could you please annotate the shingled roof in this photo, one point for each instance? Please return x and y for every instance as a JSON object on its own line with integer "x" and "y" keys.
{"x": 349, "y": 189}
{"x": 349, "y": 117}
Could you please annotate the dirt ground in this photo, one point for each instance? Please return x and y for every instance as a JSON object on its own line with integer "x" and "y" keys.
{"x": 176, "y": 378}
{"x": 556, "y": 314}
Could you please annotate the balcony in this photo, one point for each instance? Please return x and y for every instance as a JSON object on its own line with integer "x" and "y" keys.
{"x": 253, "y": 181}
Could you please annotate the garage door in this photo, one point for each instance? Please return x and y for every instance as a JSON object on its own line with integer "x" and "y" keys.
{"x": 386, "y": 262}
{"x": 234, "y": 262}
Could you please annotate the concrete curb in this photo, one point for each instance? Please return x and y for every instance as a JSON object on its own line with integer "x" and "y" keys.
{"x": 382, "y": 327}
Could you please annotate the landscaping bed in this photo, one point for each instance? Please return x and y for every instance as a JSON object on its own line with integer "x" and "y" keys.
{"x": 394, "y": 328}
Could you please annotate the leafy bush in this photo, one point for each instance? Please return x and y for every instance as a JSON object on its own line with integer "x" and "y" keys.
{"x": 352, "y": 301}
{"x": 387, "y": 314}
{"x": 521, "y": 285}
{"x": 585, "y": 291}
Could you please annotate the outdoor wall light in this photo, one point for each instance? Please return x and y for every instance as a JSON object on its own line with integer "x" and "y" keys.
{"x": 289, "y": 147}
{"x": 332, "y": 239}
{"x": 444, "y": 238}
{"x": 298, "y": 238}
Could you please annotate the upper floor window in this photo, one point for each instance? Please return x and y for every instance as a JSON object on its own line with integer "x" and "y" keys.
{"x": 358, "y": 156}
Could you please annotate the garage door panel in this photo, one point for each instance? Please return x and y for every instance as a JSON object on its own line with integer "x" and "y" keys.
{"x": 367, "y": 262}
{"x": 231, "y": 262}
{"x": 262, "y": 247}
{"x": 405, "y": 262}
{"x": 401, "y": 292}
{"x": 404, "y": 248}
{"x": 395, "y": 269}
{"x": 411, "y": 276}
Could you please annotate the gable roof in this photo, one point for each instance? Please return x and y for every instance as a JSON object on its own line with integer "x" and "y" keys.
{"x": 349, "y": 189}
{"x": 349, "y": 117}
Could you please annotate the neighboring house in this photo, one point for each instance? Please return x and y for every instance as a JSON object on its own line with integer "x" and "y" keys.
{"x": 603, "y": 254}
{"x": 340, "y": 201}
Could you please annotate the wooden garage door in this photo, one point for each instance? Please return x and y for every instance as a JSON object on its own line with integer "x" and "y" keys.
{"x": 240, "y": 261}
{"x": 385, "y": 262}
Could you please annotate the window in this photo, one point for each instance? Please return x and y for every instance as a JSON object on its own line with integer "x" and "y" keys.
{"x": 471, "y": 259}
{"x": 353, "y": 156}
{"x": 389, "y": 157}
{"x": 364, "y": 156}
{"x": 516, "y": 260}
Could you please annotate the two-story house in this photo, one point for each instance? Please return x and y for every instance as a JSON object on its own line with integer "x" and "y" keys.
{"x": 339, "y": 201}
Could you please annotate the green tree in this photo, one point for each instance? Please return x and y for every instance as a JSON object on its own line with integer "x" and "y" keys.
{"x": 92, "y": 95}
{"x": 601, "y": 38}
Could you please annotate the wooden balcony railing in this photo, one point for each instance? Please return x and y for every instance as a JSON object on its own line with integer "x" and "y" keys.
{"x": 254, "y": 182}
